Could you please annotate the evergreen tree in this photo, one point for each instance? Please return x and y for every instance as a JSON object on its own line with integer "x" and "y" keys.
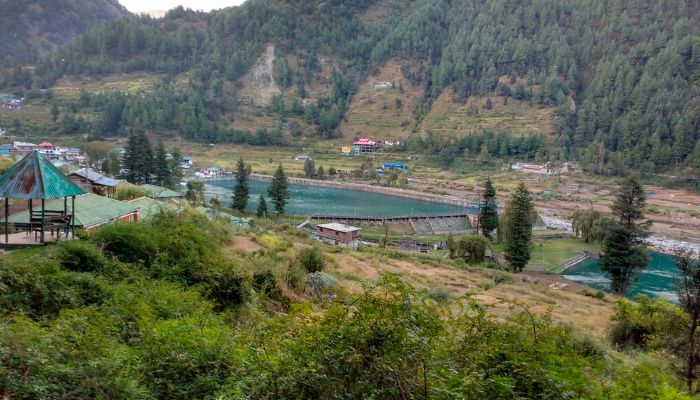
{"x": 138, "y": 159}
{"x": 262, "y": 207}
{"x": 242, "y": 189}
{"x": 624, "y": 253}
{"x": 161, "y": 167}
{"x": 278, "y": 190}
{"x": 309, "y": 168}
{"x": 488, "y": 211}
{"x": 519, "y": 228}
{"x": 54, "y": 112}
{"x": 175, "y": 169}
{"x": 320, "y": 174}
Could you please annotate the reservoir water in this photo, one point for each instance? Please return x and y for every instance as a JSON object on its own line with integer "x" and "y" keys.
{"x": 655, "y": 280}
{"x": 309, "y": 200}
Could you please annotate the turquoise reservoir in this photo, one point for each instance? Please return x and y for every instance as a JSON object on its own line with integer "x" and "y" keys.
{"x": 655, "y": 280}
{"x": 309, "y": 200}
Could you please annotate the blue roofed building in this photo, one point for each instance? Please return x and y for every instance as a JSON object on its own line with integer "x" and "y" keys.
{"x": 92, "y": 181}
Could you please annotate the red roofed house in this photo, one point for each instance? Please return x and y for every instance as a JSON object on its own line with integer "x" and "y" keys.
{"x": 365, "y": 145}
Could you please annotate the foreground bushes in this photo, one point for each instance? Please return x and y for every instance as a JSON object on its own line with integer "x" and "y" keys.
{"x": 194, "y": 323}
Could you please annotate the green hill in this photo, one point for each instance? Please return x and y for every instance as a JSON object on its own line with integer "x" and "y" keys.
{"x": 32, "y": 28}
{"x": 613, "y": 85}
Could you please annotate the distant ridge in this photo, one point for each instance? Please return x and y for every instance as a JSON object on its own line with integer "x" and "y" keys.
{"x": 32, "y": 28}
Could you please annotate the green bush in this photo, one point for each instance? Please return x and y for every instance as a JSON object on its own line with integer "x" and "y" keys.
{"x": 227, "y": 287}
{"x": 311, "y": 259}
{"x": 80, "y": 256}
{"x": 131, "y": 243}
{"x": 265, "y": 282}
{"x": 44, "y": 290}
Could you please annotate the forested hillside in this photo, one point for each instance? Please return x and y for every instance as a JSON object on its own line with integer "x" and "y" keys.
{"x": 33, "y": 28}
{"x": 620, "y": 78}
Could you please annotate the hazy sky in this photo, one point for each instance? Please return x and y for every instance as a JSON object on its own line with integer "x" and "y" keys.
{"x": 150, "y": 5}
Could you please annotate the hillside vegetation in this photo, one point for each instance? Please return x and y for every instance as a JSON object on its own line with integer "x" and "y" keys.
{"x": 613, "y": 84}
{"x": 32, "y": 28}
{"x": 179, "y": 309}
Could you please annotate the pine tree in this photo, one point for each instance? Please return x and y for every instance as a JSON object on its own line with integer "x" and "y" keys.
{"x": 161, "y": 167}
{"x": 488, "y": 211}
{"x": 624, "y": 253}
{"x": 320, "y": 174}
{"x": 175, "y": 169}
{"x": 262, "y": 207}
{"x": 519, "y": 228}
{"x": 138, "y": 159}
{"x": 309, "y": 168}
{"x": 54, "y": 112}
{"x": 278, "y": 190}
{"x": 242, "y": 189}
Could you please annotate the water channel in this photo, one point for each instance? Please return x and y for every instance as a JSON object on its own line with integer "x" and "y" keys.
{"x": 655, "y": 280}
{"x": 309, "y": 200}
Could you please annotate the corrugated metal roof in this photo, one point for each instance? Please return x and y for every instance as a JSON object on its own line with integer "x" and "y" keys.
{"x": 160, "y": 192}
{"x": 34, "y": 177}
{"x": 149, "y": 207}
{"x": 90, "y": 210}
{"x": 96, "y": 177}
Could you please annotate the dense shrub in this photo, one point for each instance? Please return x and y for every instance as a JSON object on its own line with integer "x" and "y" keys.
{"x": 228, "y": 287}
{"x": 311, "y": 259}
{"x": 265, "y": 281}
{"x": 80, "y": 256}
{"x": 131, "y": 243}
{"x": 43, "y": 290}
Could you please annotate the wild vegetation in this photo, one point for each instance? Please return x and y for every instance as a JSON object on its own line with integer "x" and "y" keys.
{"x": 159, "y": 310}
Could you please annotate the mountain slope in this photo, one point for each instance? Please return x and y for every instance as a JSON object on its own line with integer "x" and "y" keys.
{"x": 32, "y": 28}
{"x": 615, "y": 84}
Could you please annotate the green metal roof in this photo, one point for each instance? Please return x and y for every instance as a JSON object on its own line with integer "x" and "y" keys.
{"x": 160, "y": 192}
{"x": 35, "y": 177}
{"x": 149, "y": 207}
{"x": 90, "y": 210}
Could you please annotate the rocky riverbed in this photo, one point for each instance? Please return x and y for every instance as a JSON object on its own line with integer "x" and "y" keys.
{"x": 659, "y": 243}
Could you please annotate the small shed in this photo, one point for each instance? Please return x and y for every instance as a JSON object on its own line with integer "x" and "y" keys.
{"x": 35, "y": 178}
{"x": 339, "y": 233}
{"x": 148, "y": 207}
{"x": 94, "y": 182}
{"x": 162, "y": 193}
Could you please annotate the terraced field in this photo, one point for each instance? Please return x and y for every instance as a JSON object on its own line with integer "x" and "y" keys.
{"x": 448, "y": 118}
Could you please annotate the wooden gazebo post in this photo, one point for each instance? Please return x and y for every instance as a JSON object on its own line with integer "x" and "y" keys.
{"x": 72, "y": 218}
{"x": 7, "y": 211}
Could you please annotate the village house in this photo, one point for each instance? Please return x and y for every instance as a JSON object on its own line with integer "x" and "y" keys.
{"x": 365, "y": 145}
{"x": 24, "y": 148}
{"x": 92, "y": 181}
{"x": 336, "y": 233}
{"x": 383, "y": 85}
{"x": 186, "y": 162}
{"x": 6, "y": 150}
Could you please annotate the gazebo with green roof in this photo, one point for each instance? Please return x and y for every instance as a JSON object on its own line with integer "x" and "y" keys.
{"x": 36, "y": 178}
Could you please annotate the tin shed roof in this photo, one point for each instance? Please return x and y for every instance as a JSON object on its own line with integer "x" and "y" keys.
{"x": 90, "y": 210}
{"x": 34, "y": 177}
{"x": 160, "y": 192}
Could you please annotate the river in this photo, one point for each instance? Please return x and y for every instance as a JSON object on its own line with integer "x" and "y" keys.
{"x": 309, "y": 200}
{"x": 655, "y": 280}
